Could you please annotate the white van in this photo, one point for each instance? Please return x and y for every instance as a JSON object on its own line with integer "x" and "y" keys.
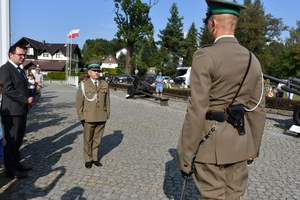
{"x": 182, "y": 74}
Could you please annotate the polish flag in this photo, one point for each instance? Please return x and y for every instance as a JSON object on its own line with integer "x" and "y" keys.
{"x": 73, "y": 33}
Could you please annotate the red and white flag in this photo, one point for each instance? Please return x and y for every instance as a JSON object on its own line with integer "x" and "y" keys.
{"x": 73, "y": 33}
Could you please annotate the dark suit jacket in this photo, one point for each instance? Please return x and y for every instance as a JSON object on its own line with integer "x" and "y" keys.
{"x": 217, "y": 72}
{"x": 15, "y": 91}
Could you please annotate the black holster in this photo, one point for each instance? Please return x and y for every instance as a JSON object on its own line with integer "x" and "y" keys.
{"x": 236, "y": 117}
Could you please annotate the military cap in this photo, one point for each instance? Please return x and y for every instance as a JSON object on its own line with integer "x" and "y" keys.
{"x": 94, "y": 67}
{"x": 223, "y": 7}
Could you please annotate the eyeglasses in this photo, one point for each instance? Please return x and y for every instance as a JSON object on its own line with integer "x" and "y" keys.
{"x": 20, "y": 55}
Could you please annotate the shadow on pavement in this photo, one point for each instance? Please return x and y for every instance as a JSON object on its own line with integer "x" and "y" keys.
{"x": 173, "y": 181}
{"x": 109, "y": 142}
{"x": 74, "y": 193}
{"x": 42, "y": 155}
{"x": 284, "y": 124}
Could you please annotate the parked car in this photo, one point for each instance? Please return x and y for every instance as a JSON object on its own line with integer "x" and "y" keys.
{"x": 179, "y": 80}
{"x": 167, "y": 78}
{"x": 122, "y": 78}
{"x": 150, "y": 78}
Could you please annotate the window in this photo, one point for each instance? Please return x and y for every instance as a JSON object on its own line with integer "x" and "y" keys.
{"x": 74, "y": 56}
{"x": 59, "y": 55}
{"x": 30, "y": 51}
{"x": 45, "y": 54}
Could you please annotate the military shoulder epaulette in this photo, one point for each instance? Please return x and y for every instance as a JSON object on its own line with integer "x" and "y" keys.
{"x": 206, "y": 45}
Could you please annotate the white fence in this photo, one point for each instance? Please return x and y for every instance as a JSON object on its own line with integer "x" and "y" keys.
{"x": 73, "y": 80}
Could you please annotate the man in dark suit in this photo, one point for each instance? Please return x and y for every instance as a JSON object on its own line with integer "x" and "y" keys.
{"x": 15, "y": 101}
{"x": 220, "y": 164}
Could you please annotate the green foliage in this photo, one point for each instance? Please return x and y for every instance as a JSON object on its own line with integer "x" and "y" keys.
{"x": 256, "y": 30}
{"x": 109, "y": 71}
{"x": 287, "y": 57}
{"x": 281, "y": 103}
{"x": 191, "y": 45}
{"x": 56, "y": 75}
{"x": 172, "y": 38}
{"x": 98, "y": 49}
{"x": 134, "y": 23}
{"x": 203, "y": 35}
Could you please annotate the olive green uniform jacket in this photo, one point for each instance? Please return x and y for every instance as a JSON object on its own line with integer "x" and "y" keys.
{"x": 97, "y": 110}
{"x": 217, "y": 72}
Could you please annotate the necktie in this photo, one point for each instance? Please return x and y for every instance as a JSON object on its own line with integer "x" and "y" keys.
{"x": 96, "y": 83}
{"x": 22, "y": 72}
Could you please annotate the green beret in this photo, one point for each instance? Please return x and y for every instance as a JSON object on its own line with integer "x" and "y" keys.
{"x": 94, "y": 67}
{"x": 223, "y": 7}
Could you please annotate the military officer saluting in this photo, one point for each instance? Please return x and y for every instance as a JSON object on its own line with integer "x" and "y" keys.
{"x": 93, "y": 109}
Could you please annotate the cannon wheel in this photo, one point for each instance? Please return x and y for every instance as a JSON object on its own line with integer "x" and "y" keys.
{"x": 131, "y": 91}
{"x": 296, "y": 116}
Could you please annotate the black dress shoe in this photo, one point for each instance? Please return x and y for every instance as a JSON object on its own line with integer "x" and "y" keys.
{"x": 97, "y": 163}
{"x": 88, "y": 164}
{"x": 22, "y": 168}
{"x": 16, "y": 174}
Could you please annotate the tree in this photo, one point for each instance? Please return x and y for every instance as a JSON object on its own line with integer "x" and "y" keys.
{"x": 291, "y": 56}
{"x": 98, "y": 49}
{"x": 172, "y": 38}
{"x": 191, "y": 45}
{"x": 276, "y": 51}
{"x": 256, "y": 30}
{"x": 134, "y": 23}
{"x": 203, "y": 35}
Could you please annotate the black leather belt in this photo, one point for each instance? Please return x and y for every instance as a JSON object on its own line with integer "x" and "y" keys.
{"x": 218, "y": 116}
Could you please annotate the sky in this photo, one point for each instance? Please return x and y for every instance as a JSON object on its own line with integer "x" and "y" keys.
{"x": 51, "y": 20}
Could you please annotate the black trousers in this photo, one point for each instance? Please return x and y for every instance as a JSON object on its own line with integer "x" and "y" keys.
{"x": 14, "y": 128}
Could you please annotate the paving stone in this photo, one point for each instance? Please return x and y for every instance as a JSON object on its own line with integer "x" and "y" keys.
{"x": 138, "y": 153}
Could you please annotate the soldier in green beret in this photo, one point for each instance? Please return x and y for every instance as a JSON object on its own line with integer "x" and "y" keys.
{"x": 93, "y": 109}
{"x": 219, "y": 165}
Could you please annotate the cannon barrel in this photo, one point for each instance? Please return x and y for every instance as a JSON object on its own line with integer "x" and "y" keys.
{"x": 295, "y": 81}
{"x": 291, "y": 85}
{"x": 274, "y": 79}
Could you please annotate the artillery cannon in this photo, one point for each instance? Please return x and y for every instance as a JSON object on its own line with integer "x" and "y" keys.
{"x": 138, "y": 87}
{"x": 291, "y": 85}
{"x": 142, "y": 87}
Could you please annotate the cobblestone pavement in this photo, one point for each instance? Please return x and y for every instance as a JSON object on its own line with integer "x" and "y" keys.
{"x": 137, "y": 153}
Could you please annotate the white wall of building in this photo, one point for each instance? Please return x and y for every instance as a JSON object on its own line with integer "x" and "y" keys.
{"x": 5, "y": 30}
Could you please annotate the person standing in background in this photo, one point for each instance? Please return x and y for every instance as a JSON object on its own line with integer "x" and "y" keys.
{"x": 39, "y": 80}
{"x": 2, "y": 137}
{"x": 159, "y": 81}
{"x": 31, "y": 85}
{"x": 14, "y": 109}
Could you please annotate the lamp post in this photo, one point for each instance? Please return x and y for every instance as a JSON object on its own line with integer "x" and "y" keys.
{"x": 66, "y": 66}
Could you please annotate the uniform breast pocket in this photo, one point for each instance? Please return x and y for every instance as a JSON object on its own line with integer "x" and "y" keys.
{"x": 89, "y": 94}
{"x": 103, "y": 92}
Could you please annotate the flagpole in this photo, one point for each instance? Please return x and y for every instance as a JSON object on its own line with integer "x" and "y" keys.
{"x": 70, "y": 63}
{"x": 67, "y": 58}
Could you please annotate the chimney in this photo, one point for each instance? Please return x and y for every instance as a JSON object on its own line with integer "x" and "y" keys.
{"x": 44, "y": 42}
